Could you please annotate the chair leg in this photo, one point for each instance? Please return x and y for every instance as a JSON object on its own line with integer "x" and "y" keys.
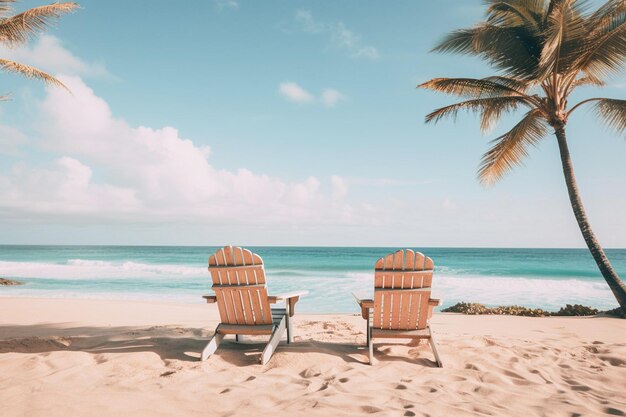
{"x": 273, "y": 342}
{"x": 370, "y": 345}
{"x": 288, "y": 321}
{"x": 211, "y": 347}
{"x": 433, "y": 346}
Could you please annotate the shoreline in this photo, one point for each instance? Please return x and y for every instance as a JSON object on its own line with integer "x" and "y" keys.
{"x": 74, "y": 356}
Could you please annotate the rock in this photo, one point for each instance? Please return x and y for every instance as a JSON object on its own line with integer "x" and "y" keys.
{"x": 7, "y": 282}
{"x": 616, "y": 312}
{"x": 576, "y": 310}
{"x": 475, "y": 308}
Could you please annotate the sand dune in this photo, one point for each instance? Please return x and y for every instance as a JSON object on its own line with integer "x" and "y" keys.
{"x": 105, "y": 358}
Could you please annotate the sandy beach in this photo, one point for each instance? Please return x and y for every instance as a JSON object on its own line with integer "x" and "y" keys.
{"x": 112, "y": 358}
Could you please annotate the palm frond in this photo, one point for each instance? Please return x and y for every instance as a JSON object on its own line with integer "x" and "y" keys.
{"x": 613, "y": 112}
{"x": 5, "y": 7}
{"x": 515, "y": 83}
{"x": 565, "y": 36}
{"x": 588, "y": 80}
{"x": 470, "y": 87}
{"x": 19, "y": 28}
{"x": 529, "y": 13}
{"x": 604, "y": 51}
{"x": 30, "y": 72}
{"x": 514, "y": 50}
{"x": 510, "y": 149}
{"x": 490, "y": 109}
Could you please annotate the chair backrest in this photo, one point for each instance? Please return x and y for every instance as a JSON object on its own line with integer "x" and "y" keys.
{"x": 402, "y": 283}
{"x": 239, "y": 285}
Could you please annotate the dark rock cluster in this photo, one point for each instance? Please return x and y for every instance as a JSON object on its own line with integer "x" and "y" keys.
{"x": 6, "y": 282}
{"x": 568, "y": 310}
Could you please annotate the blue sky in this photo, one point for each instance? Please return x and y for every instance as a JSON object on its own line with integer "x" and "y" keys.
{"x": 278, "y": 123}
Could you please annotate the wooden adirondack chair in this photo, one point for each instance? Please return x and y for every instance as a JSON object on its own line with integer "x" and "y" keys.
{"x": 244, "y": 306}
{"x": 402, "y": 305}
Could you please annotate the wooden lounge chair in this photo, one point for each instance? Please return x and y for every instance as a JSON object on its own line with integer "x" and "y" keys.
{"x": 244, "y": 306}
{"x": 402, "y": 305}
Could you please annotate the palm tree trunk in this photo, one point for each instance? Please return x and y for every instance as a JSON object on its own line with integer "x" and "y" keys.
{"x": 607, "y": 271}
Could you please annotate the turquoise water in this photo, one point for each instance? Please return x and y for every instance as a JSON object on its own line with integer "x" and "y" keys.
{"x": 545, "y": 278}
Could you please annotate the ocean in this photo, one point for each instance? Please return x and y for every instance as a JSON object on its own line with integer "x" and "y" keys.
{"x": 540, "y": 278}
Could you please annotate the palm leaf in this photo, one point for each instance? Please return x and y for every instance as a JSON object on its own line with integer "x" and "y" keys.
{"x": 529, "y": 13}
{"x": 514, "y": 50}
{"x": 490, "y": 109}
{"x": 470, "y": 87}
{"x": 30, "y": 72}
{"x": 588, "y": 80}
{"x": 565, "y": 38}
{"x": 515, "y": 83}
{"x": 613, "y": 112}
{"x": 5, "y": 7}
{"x": 19, "y": 28}
{"x": 510, "y": 149}
{"x": 604, "y": 51}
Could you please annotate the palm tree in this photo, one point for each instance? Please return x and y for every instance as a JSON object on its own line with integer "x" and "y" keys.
{"x": 18, "y": 29}
{"x": 543, "y": 50}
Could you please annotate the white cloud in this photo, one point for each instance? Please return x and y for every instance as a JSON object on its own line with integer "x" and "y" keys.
{"x": 297, "y": 94}
{"x": 339, "y": 187}
{"x": 226, "y": 4}
{"x": 366, "y": 52}
{"x": 48, "y": 54}
{"x": 111, "y": 170}
{"x": 10, "y": 140}
{"x": 331, "y": 97}
{"x": 293, "y": 92}
{"x": 340, "y": 36}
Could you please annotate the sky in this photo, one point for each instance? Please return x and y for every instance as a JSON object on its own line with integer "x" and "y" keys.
{"x": 277, "y": 123}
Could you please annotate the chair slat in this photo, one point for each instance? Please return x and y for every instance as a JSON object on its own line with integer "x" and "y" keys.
{"x": 409, "y": 260}
{"x": 378, "y": 308}
{"x": 238, "y": 302}
{"x": 389, "y": 261}
{"x": 221, "y": 307}
{"x": 423, "y": 315}
{"x": 414, "y": 313}
{"x": 398, "y": 260}
{"x": 256, "y": 307}
{"x": 386, "y": 318}
{"x": 419, "y": 261}
{"x": 429, "y": 264}
{"x": 247, "y": 306}
{"x": 380, "y": 263}
{"x": 395, "y": 309}
{"x": 398, "y": 279}
{"x": 404, "y": 316}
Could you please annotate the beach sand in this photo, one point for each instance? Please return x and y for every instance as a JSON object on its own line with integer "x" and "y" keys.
{"x": 116, "y": 358}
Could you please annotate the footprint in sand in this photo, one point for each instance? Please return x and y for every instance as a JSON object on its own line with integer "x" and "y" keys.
{"x": 168, "y": 373}
{"x": 400, "y": 386}
{"x": 251, "y": 378}
{"x": 344, "y": 380}
{"x": 371, "y": 410}
{"x": 224, "y": 391}
{"x": 613, "y": 360}
{"x": 614, "y": 411}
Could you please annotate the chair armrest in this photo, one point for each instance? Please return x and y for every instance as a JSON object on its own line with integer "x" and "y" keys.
{"x": 432, "y": 303}
{"x": 365, "y": 304}
{"x": 210, "y": 299}
{"x": 291, "y": 298}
